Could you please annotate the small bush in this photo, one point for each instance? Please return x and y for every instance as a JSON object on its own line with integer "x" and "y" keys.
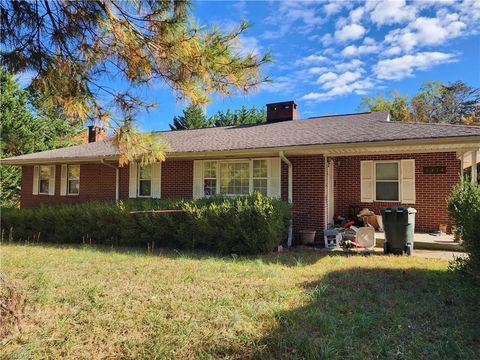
{"x": 464, "y": 207}
{"x": 248, "y": 225}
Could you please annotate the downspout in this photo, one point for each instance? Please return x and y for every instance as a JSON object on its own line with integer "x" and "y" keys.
{"x": 290, "y": 193}
{"x": 117, "y": 177}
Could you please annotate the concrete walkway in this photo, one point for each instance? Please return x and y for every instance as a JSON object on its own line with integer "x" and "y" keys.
{"x": 428, "y": 242}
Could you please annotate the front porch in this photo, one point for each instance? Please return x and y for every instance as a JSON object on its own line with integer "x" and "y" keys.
{"x": 427, "y": 241}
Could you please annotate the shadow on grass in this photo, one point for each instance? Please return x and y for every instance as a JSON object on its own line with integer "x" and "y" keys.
{"x": 297, "y": 256}
{"x": 380, "y": 313}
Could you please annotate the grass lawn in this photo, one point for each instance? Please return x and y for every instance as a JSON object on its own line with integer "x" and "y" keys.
{"x": 92, "y": 303}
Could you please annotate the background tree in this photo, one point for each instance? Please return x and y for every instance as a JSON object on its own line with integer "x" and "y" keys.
{"x": 192, "y": 117}
{"x": 26, "y": 127}
{"x": 70, "y": 46}
{"x": 242, "y": 116}
{"x": 397, "y": 106}
{"x": 456, "y": 103}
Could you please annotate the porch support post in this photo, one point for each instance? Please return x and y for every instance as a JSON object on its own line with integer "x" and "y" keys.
{"x": 290, "y": 193}
{"x": 474, "y": 166}
{"x": 462, "y": 156}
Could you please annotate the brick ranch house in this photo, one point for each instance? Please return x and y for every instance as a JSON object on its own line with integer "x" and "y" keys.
{"x": 322, "y": 165}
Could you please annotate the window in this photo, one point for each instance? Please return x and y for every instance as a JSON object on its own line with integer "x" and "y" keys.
{"x": 234, "y": 178}
{"x": 144, "y": 180}
{"x": 210, "y": 178}
{"x": 44, "y": 179}
{"x": 387, "y": 182}
{"x": 260, "y": 176}
{"x": 73, "y": 179}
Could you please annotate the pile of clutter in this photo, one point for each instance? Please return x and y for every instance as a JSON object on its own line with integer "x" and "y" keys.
{"x": 356, "y": 230}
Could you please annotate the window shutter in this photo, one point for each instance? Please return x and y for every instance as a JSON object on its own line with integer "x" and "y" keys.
{"x": 407, "y": 173}
{"x": 156, "y": 180}
{"x": 36, "y": 170}
{"x": 51, "y": 180}
{"x": 198, "y": 179}
{"x": 132, "y": 180}
{"x": 274, "y": 176}
{"x": 366, "y": 181}
{"x": 63, "y": 180}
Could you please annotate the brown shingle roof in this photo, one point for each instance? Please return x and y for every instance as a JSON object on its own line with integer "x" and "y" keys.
{"x": 340, "y": 129}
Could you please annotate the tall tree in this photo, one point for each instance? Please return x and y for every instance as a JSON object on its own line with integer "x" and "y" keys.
{"x": 243, "y": 116}
{"x": 460, "y": 103}
{"x": 396, "y": 105}
{"x": 26, "y": 127}
{"x": 71, "y": 47}
{"x": 192, "y": 117}
{"x": 456, "y": 103}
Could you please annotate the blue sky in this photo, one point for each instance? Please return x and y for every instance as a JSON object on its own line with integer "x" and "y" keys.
{"x": 330, "y": 54}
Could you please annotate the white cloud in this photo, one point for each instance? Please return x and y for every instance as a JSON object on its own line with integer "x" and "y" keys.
{"x": 311, "y": 59}
{"x": 286, "y": 14}
{"x": 327, "y": 39}
{"x": 350, "y": 32}
{"x": 329, "y": 76}
{"x": 426, "y": 31}
{"x": 392, "y": 11}
{"x": 355, "y": 64}
{"x": 248, "y": 45}
{"x": 317, "y": 70}
{"x": 356, "y": 14}
{"x": 353, "y": 50}
{"x": 333, "y": 7}
{"x": 359, "y": 87}
{"x": 279, "y": 84}
{"x": 400, "y": 67}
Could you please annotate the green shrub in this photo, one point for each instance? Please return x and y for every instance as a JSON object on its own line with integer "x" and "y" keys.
{"x": 464, "y": 207}
{"x": 247, "y": 225}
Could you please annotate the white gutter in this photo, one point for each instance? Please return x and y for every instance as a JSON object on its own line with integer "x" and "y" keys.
{"x": 290, "y": 193}
{"x": 117, "y": 178}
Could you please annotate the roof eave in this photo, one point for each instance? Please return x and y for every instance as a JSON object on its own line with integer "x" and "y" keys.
{"x": 88, "y": 159}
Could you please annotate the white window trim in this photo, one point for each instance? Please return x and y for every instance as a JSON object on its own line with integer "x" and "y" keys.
{"x": 68, "y": 181}
{"x": 40, "y": 179}
{"x": 397, "y": 181}
{"x": 139, "y": 165}
{"x": 250, "y": 175}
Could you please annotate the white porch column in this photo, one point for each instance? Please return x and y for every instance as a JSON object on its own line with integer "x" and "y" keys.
{"x": 474, "y": 166}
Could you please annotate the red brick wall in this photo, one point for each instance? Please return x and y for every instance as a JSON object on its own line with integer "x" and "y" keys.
{"x": 431, "y": 190}
{"x": 97, "y": 182}
{"x": 308, "y": 193}
{"x": 177, "y": 179}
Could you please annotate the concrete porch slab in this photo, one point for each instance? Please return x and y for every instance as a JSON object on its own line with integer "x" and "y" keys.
{"x": 427, "y": 242}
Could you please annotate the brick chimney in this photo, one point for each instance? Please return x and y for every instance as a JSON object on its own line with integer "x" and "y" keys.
{"x": 282, "y": 111}
{"x": 96, "y": 133}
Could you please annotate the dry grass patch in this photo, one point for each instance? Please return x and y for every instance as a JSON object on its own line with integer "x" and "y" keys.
{"x": 97, "y": 303}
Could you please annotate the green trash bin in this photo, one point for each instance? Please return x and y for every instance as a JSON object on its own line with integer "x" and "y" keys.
{"x": 399, "y": 226}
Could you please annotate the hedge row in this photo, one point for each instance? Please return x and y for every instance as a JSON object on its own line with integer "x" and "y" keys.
{"x": 248, "y": 225}
{"x": 464, "y": 208}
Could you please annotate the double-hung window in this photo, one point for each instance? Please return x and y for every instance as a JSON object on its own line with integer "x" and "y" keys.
{"x": 44, "y": 179}
{"x": 387, "y": 181}
{"x": 234, "y": 178}
{"x": 144, "y": 180}
{"x": 239, "y": 177}
{"x": 73, "y": 179}
{"x": 210, "y": 178}
{"x": 260, "y": 176}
